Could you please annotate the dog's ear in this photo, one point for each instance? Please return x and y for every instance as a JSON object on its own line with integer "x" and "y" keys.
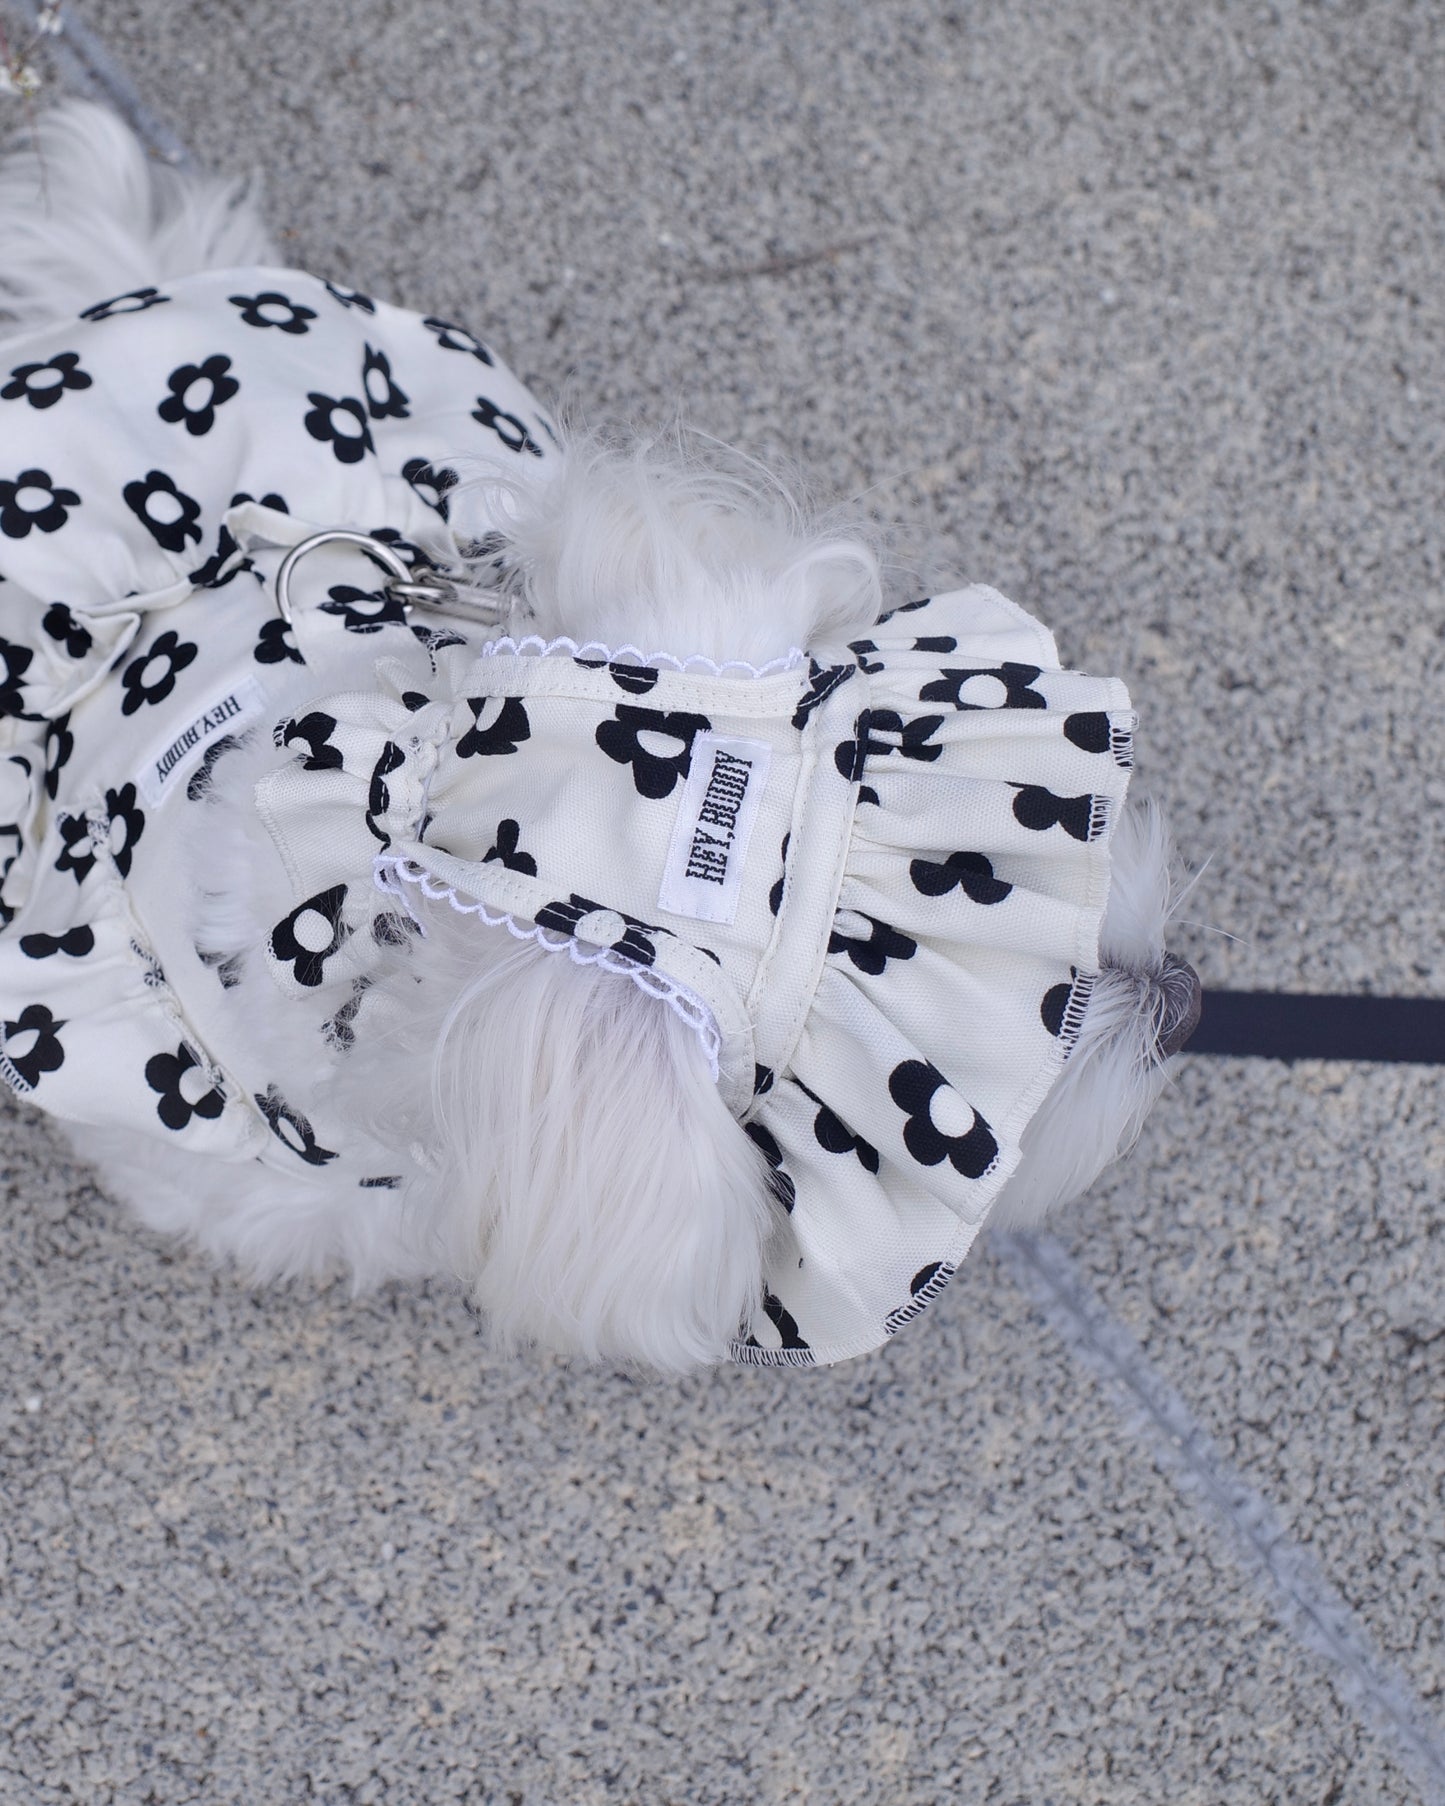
{"x": 592, "y": 1191}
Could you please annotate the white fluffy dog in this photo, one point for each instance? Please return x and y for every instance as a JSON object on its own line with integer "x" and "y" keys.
{"x": 382, "y": 1063}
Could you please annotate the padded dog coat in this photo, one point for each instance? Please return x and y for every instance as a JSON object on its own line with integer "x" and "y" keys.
{"x": 868, "y": 877}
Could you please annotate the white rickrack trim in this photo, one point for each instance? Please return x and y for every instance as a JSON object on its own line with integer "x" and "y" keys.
{"x": 533, "y": 643}
{"x": 390, "y": 872}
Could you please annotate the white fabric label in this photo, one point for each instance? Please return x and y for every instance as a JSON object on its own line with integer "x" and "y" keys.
{"x": 228, "y": 713}
{"x": 704, "y": 872}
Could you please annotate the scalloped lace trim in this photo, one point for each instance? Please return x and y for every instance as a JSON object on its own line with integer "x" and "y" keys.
{"x": 390, "y": 873}
{"x": 533, "y": 644}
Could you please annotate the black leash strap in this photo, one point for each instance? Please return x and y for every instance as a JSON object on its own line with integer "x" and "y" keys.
{"x": 1274, "y": 1025}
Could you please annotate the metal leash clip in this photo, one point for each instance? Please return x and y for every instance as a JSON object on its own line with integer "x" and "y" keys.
{"x": 438, "y": 593}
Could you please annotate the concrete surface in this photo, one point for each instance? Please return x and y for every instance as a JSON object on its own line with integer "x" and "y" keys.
{"x": 1135, "y": 311}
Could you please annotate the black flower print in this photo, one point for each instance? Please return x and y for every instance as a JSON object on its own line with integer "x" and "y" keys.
{"x": 872, "y": 951}
{"x": 457, "y": 338}
{"x": 42, "y": 385}
{"x": 430, "y": 483}
{"x": 17, "y": 661}
{"x": 779, "y": 1180}
{"x": 135, "y": 301}
{"x": 341, "y": 424}
{"x": 340, "y": 1031}
{"x": 763, "y": 1077}
{"x": 506, "y": 726}
{"x": 881, "y": 731}
{"x": 775, "y": 895}
{"x": 822, "y": 681}
{"x": 32, "y": 500}
{"x": 864, "y": 651}
{"x": 291, "y": 1127}
{"x": 203, "y": 777}
{"x": 783, "y": 1322}
{"x": 386, "y": 401}
{"x": 351, "y": 297}
{"x": 196, "y": 391}
{"x": 1062, "y": 999}
{"x": 938, "y": 642}
{"x": 973, "y": 871}
{"x": 610, "y": 928}
{"x": 307, "y": 938}
{"x": 834, "y": 1136}
{"x": 184, "y": 1088}
{"x": 905, "y": 608}
{"x": 63, "y": 627}
{"x": 31, "y": 1044}
{"x": 656, "y": 744}
{"x": 275, "y": 644}
{"x": 169, "y": 515}
{"x": 273, "y": 309}
{"x": 226, "y": 966}
{"x": 363, "y": 610}
{"x": 59, "y": 745}
{"x": 219, "y": 569}
{"x": 75, "y": 943}
{"x": 940, "y": 1125}
{"x": 1093, "y": 732}
{"x": 125, "y": 824}
{"x": 1003, "y": 686}
{"x": 1081, "y": 817}
{"x": 507, "y": 850}
{"x": 508, "y": 428}
{"x": 923, "y": 1288}
{"x": 77, "y": 855}
{"x": 151, "y": 677}
{"x": 314, "y": 732}
{"x": 378, "y": 800}
{"x": 637, "y": 680}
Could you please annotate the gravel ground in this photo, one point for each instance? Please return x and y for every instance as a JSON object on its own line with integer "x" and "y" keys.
{"x": 1134, "y": 311}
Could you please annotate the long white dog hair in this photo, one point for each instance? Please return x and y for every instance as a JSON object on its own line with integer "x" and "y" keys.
{"x": 566, "y": 1153}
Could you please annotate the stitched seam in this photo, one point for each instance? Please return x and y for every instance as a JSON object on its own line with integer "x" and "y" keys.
{"x": 534, "y": 645}
{"x": 745, "y": 1355}
{"x": 390, "y": 872}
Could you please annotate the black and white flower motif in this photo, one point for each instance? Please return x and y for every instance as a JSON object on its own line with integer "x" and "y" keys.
{"x": 135, "y": 301}
{"x": 872, "y": 951}
{"x": 763, "y": 1077}
{"x": 351, "y": 297}
{"x": 1055, "y": 1005}
{"x": 865, "y": 651}
{"x": 33, "y": 500}
{"x": 431, "y": 483}
{"x": 340, "y": 1031}
{"x": 822, "y": 681}
{"x": 775, "y": 895}
{"x": 42, "y": 385}
{"x": 63, "y": 627}
{"x": 457, "y": 338}
{"x": 1081, "y": 817}
{"x": 339, "y": 422}
{"x": 273, "y": 309}
{"x": 275, "y": 644}
{"x": 196, "y": 391}
{"x": 223, "y": 566}
{"x": 923, "y": 1288}
{"x": 905, "y": 608}
{"x": 783, "y": 1322}
{"x": 307, "y": 938}
{"x": 507, "y": 850}
{"x": 75, "y": 943}
{"x": 291, "y": 1127}
{"x": 77, "y": 854}
{"x": 184, "y": 1087}
{"x": 386, "y": 401}
{"x": 1092, "y": 731}
{"x": 151, "y": 677}
{"x": 780, "y": 1181}
{"x": 314, "y": 732}
{"x": 203, "y": 777}
{"x": 941, "y": 1125}
{"x": 1003, "y": 686}
{"x": 508, "y": 428}
{"x": 378, "y": 797}
{"x": 657, "y": 745}
{"x": 834, "y": 1136}
{"x": 973, "y": 871}
{"x": 59, "y": 745}
{"x": 579, "y": 918}
{"x": 936, "y": 642}
{"x": 637, "y": 680}
{"x": 499, "y": 725}
{"x": 31, "y": 1044}
{"x": 125, "y": 824}
{"x": 169, "y": 515}
{"x": 883, "y": 731}
{"x": 226, "y": 966}
{"x": 17, "y": 661}
{"x": 363, "y": 610}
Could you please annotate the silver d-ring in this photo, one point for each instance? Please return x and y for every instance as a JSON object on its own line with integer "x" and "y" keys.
{"x": 374, "y": 548}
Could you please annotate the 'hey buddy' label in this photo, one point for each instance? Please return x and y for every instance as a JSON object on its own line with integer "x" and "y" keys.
{"x": 704, "y": 872}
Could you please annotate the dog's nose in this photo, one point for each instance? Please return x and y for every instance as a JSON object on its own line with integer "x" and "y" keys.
{"x": 1183, "y": 997}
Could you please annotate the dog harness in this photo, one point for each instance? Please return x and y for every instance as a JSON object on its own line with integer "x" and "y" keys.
{"x": 868, "y": 877}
